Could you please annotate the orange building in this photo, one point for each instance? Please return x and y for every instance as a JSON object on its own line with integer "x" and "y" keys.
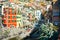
{"x": 9, "y": 18}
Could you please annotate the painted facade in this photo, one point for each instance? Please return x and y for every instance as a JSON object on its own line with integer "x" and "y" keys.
{"x": 9, "y": 18}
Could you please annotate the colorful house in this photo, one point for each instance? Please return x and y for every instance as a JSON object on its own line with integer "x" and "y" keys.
{"x": 9, "y": 17}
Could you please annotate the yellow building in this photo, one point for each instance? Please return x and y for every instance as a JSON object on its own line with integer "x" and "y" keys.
{"x": 19, "y": 21}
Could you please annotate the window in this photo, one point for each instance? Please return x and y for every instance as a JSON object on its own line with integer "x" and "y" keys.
{"x": 18, "y": 17}
{"x": 13, "y": 20}
{"x": 8, "y": 21}
{"x": 13, "y": 17}
{"x": 23, "y": 15}
{"x": 8, "y": 17}
{"x": 19, "y": 13}
{"x": 20, "y": 20}
{"x": 13, "y": 11}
